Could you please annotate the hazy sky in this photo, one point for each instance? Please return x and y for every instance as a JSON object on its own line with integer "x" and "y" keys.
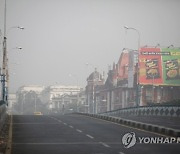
{"x": 61, "y": 36}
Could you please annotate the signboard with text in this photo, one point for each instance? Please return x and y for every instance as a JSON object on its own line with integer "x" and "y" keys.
{"x": 159, "y": 66}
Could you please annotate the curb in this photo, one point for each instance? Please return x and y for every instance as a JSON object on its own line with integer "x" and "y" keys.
{"x": 145, "y": 126}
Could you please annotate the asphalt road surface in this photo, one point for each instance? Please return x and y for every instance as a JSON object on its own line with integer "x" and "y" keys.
{"x": 77, "y": 134}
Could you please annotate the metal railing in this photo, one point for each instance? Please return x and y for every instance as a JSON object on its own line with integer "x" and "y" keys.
{"x": 161, "y": 110}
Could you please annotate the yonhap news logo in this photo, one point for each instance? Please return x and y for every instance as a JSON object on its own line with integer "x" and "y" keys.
{"x": 130, "y": 139}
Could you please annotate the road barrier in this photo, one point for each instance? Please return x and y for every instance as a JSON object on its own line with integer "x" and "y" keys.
{"x": 135, "y": 124}
{"x": 161, "y": 110}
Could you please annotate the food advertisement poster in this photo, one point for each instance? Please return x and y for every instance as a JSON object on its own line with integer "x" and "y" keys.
{"x": 159, "y": 66}
{"x": 171, "y": 66}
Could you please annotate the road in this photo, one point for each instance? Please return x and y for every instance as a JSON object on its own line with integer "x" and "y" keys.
{"x": 77, "y": 134}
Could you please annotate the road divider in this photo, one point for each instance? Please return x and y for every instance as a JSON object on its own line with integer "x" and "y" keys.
{"x": 135, "y": 124}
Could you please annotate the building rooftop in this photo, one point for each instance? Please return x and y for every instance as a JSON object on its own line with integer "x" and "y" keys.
{"x": 95, "y": 76}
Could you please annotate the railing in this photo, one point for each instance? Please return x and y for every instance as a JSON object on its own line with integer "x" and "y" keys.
{"x": 3, "y": 114}
{"x": 161, "y": 110}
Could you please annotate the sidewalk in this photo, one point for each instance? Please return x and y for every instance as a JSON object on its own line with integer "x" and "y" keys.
{"x": 4, "y": 135}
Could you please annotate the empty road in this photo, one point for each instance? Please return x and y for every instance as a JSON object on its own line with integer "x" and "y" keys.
{"x": 77, "y": 134}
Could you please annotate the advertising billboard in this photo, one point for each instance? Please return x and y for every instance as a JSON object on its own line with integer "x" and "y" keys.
{"x": 159, "y": 66}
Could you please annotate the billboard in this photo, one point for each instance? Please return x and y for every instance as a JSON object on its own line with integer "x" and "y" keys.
{"x": 159, "y": 66}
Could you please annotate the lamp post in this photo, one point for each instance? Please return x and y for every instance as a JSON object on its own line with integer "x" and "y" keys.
{"x": 4, "y": 75}
{"x": 139, "y": 36}
{"x": 137, "y": 88}
{"x": 5, "y": 71}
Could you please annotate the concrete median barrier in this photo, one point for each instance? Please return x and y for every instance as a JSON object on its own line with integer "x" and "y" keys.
{"x": 140, "y": 125}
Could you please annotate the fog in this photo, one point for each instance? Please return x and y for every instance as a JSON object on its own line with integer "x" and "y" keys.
{"x": 61, "y": 36}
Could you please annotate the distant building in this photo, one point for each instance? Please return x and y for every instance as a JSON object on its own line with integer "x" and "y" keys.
{"x": 82, "y": 106}
{"x": 29, "y": 99}
{"x": 94, "y": 81}
{"x": 59, "y": 97}
{"x": 11, "y": 102}
{"x": 36, "y": 88}
{"x": 146, "y": 77}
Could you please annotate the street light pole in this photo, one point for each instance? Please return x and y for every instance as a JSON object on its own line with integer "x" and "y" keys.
{"x": 139, "y": 36}
{"x": 4, "y": 69}
{"x": 5, "y": 75}
{"x": 138, "y": 87}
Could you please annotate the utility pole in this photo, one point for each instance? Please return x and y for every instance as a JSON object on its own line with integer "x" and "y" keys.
{"x": 4, "y": 65}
